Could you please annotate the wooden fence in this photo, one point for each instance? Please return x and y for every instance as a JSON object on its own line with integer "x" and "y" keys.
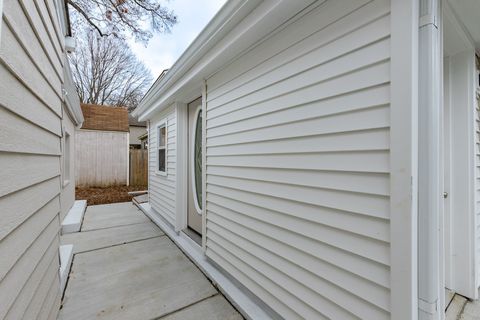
{"x": 138, "y": 167}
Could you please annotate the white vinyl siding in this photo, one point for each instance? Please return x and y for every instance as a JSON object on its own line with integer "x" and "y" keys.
{"x": 162, "y": 186}
{"x": 297, "y": 165}
{"x": 31, "y": 72}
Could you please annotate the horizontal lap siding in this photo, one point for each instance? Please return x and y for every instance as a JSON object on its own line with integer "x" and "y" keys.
{"x": 31, "y": 63}
{"x": 162, "y": 188}
{"x": 298, "y": 165}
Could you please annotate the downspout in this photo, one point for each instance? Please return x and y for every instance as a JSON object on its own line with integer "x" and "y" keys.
{"x": 429, "y": 179}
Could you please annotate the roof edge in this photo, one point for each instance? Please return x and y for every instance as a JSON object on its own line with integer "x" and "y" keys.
{"x": 70, "y": 96}
{"x": 218, "y": 26}
{"x": 238, "y": 26}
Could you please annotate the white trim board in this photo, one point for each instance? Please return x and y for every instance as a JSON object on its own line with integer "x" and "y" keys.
{"x": 403, "y": 159}
{"x": 246, "y": 304}
{"x": 181, "y": 181}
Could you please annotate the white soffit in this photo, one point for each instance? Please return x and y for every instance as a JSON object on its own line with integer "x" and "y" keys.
{"x": 468, "y": 13}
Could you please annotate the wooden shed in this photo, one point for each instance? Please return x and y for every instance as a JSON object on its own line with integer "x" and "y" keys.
{"x": 102, "y": 146}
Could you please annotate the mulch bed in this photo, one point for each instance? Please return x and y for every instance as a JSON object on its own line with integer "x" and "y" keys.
{"x": 104, "y": 195}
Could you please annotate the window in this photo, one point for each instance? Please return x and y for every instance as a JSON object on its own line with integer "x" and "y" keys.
{"x": 66, "y": 159}
{"x": 162, "y": 148}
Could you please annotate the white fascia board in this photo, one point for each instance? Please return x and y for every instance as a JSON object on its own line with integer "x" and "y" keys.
{"x": 70, "y": 96}
{"x": 239, "y": 32}
{"x": 74, "y": 111}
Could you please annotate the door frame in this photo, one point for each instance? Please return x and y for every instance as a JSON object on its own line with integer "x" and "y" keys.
{"x": 192, "y": 158}
{"x": 183, "y": 156}
{"x": 181, "y": 185}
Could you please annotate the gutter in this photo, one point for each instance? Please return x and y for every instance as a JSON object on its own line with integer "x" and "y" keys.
{"x": 429, "y": 150}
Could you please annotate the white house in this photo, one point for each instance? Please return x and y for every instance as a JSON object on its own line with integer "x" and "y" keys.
{"x": 39, "y": 111}
{"x": 137, "y": 131}
{"x": 325, "y": 155}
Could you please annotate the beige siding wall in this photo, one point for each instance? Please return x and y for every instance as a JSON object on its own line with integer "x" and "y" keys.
{"x": 31, "y": 64}
{"x": 162, "y": 187}
{"x": 297, "y": 181}
{"x": 101, "y": 158}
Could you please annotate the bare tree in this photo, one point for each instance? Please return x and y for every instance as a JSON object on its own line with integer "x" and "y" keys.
{"x": 107, "y": 72}
{"x": 122, "y": 18}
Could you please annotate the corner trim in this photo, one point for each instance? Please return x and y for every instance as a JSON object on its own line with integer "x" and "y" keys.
{"x": 403, "y": 159}
{"x": 181, "y": 182}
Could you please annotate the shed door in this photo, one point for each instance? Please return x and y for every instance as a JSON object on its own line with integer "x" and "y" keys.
{"x": 194, "y": 219}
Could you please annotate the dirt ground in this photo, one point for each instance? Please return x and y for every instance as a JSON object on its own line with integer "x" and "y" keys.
{"x": 98, "y": 195}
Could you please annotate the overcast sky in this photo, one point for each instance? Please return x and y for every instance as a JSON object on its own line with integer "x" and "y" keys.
{"x": 164, "y": 49}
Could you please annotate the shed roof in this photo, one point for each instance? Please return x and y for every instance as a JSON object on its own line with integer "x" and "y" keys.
{"x": 106, "y": 118}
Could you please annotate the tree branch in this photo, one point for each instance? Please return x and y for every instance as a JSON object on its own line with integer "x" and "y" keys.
{"x": 87, "y": 18}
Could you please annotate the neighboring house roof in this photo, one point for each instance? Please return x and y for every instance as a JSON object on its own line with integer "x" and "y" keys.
{"x": 134, "y": 122}
{"x": 143, "y": 136}
{"x": 106, "y": 118}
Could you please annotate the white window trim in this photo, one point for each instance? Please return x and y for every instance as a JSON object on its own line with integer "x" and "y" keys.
{"x": 159, "y": 125}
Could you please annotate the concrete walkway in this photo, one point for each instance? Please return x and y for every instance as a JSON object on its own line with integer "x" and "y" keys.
{"x": 126, "y": 268}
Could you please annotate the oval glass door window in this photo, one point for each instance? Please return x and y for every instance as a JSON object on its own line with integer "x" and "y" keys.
{"x": 197, "y": 160}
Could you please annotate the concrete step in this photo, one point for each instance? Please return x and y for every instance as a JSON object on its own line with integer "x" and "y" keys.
{"x": 73, "y": 220}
